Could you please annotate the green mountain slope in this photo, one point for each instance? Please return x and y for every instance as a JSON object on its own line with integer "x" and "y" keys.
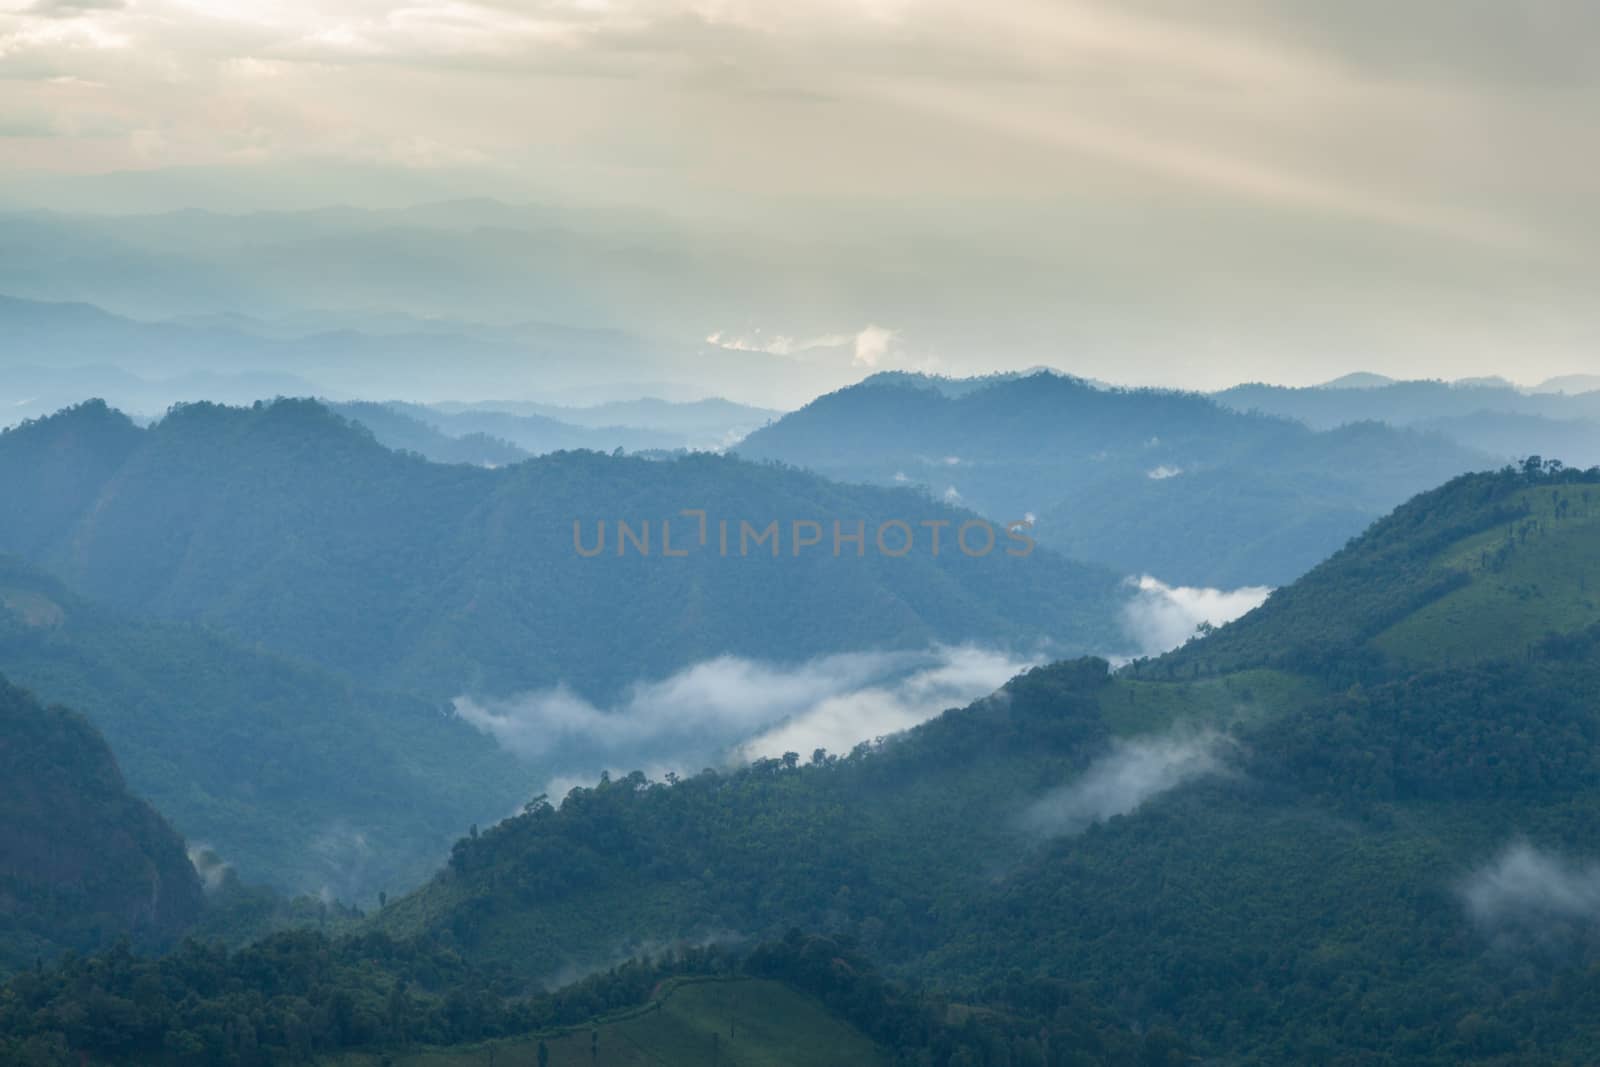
{"x": 1479, "y": 568}
{"x": 287, "y": 526}
{"x": 1333, "y": 853}
{"x": 82, "y": 860}
{"x": 860, "y": 842}
{"x": 291, "y": 774}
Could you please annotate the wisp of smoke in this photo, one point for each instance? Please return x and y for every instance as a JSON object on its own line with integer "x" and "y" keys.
{"x": 1527, "y": 893}
{"x": 345, "y": 855}
{"x": 1131, "y": 775}
{"x": 1161, "y": 617}
{"x": 736, "y": 708}
{"x": 212, "y": 868}
{"x": 576, "y": 970}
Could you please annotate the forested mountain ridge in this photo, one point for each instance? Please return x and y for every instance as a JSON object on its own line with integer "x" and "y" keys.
{"x": 1114, "y": 475}
{"x": 396, "y": 426}
{"x": 1401, "y": 403}
{"x": 294, "y": 776}
{"x": 1494, "y": 417}
{"x": 285, "y": 525}
{"x": 996, "y": 419}
{"x": 710, "y": 418}
{"x": 542, "y": 429}
{"x": 492, "y": 438}
{"x": 1349, "y": 857}
{"x": 82, "y": 860}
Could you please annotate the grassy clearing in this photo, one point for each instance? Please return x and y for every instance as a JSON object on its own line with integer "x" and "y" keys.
{"x": 737, "y": 1023}
{"x": 1538, "y": 576}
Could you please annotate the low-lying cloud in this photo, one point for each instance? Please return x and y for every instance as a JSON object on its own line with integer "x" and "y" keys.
{"x": 1161, "y": 617}
{"x": 1528, "y": 894}
{"x": 733, "y": 709}
{"x": 1131, "y": 775}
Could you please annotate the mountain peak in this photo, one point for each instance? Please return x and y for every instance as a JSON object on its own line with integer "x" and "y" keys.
{"x": 1359, "y": 380}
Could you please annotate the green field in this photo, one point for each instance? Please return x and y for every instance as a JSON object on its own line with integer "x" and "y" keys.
{"x": 1540, "y": 575}
{"x": 727, "y": 1023}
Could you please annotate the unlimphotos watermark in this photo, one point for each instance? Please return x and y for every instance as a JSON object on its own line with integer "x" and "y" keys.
{"x": 895, "y": 538}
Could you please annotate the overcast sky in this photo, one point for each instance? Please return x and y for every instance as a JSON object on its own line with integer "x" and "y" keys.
{"x": 1142, "y": 190}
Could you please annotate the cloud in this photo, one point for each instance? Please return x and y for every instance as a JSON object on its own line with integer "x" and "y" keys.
{"x": 1161, "y": 617}
{"x": 68, "y": 9}
{"x": 1242, "y": 175}
{"x": 954, "y": 677}
{"x": 1527, "y": 894}
{"x": 23, "y": 127}
{"x": 732, "y": 708}
{"x": 1134, "y": 773}
{"x": 872, "y": 344}
{"x": 868, "y": 346}
{"x": 1163, "y": 472}
{"x": 1128, "y": 181}
{"x": 777, "y": 345}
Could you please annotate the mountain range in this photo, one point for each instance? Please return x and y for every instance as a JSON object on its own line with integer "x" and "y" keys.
{"x": 1351, "y": 826}
{"x": 1405, "y": 403}
{"x": 284, "y": 524}
{"x": 1171, "y": 484}
{"x": 302, "y": 716}
{"x": 495, "y": 296}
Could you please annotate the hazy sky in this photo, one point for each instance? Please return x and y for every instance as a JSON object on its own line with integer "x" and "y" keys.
{"x": 1146, "y": 190}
